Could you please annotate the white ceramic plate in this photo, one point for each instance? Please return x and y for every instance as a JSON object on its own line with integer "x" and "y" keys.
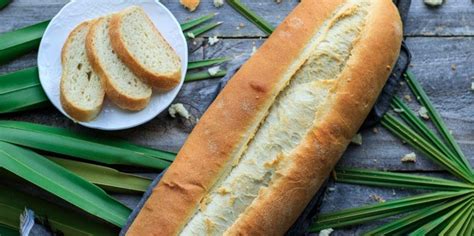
{"x": 75, "y": 12}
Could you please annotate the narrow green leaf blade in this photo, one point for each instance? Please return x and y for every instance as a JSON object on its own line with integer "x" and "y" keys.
{"x": 419, "y": 143}
{"x": 381, "y": 210}
{"x": 251, "y": 16}
{"x": 430, "y": 226}
{"x": 101, "y": 150}
{"x": 16, "y": 43}
{"x": 3, "y": 4}
{"x": 105, "y": 177}
{"x": 421, "y": 95}
{"x": 203, "y": 63}
{"x": 21, "y": 90}
{"x": 203, "y": 75}
{"x": 13, "y": 203}
{"x": 62, "y": 183}
{"x": 416, "y": 124}
{"x": 458, "y": 221}
{"x": 192, "y": 23}
{"x": 8, "y": 231}
{"x": 201, "y": 30}
{"x": 399, "y": 180}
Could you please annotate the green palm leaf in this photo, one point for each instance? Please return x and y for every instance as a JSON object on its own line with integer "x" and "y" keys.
{"x": 62, "y": 141}
{"x": 369, "y": 213}
{"x": 3, "y": 4}
{"x": 62, "y": 183}
{"x": 418, "y": 142}
{"x": 416, "y": 220}
{"x": 21, "y": 90}
{"x": 251, "y": 16}
{"x": 13, "y": 203}
{"x": 421, "y": 96}
{"x": 398, "y": 180}
{"x": 193, "y": 23}
{"x": 16, "y": 43}
{"x": 107, "y": 178}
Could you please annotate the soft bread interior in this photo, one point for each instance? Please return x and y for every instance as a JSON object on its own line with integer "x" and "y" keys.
{"x": 118, "y": 74}
{"x": 81, "y": 90}
{"x": 294, "y": 112}
{"x": 151, "y": 50}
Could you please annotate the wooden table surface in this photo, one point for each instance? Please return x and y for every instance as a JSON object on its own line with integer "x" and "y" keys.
{"x": 441, "y": 40}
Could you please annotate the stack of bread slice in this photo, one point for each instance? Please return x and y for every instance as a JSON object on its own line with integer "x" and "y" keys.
{"x": 122, "y": 56}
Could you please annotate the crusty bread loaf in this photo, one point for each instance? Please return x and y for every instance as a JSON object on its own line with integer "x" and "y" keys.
{"x": 121, "y": 85}
{"x": 191, "y": 5}
{"x": 272, "y": 136}
{"x": 142, "y": 48}
{"x": 81, "y": 93}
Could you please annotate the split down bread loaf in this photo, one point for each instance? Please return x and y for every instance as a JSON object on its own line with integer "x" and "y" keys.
{"x": 270, "y": 139}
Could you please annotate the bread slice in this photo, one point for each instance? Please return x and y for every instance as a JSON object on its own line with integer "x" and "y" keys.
{"x": 81, "y": 93}
{"x": 142, "y": 48}
{"x": 121, "y": 85}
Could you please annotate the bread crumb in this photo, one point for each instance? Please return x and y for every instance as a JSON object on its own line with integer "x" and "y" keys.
{"x": 254, "y": 49}
{"x": 213, "y": 40}
{"x": 393, "y": 192}
{"x": 278, "y": 1}
{"x": 375, "y": 130}
{"x": 408, "y": 98}
{"x": 377, "y": 198}
{"x": 472, "y": 86}
{"x": 423, "y": 113}
{"x": 433, "y": 3}
{"x": 326, "y": 232}
{"x": 213, "y": 70}
{"x": 218, "y": 3}
{"x": 191, "y": 5}
{"x": 453, "y": 67}
{"x": 398, "y": 110}
{"x": 178, "y": 109}
{"x": 241, "y": 25}
{"x": 191, "y": 35}
{"x": 357, "y": 139}
{"x": 332, "y": 189}
{"x": 410, "y": 157}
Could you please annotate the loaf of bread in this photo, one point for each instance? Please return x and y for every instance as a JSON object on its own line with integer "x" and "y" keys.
{"x": 141, "y": 47}
{"x": 81, "y": 93}
{"x": 272, "y": 136}
{"x": 121, "y": 85}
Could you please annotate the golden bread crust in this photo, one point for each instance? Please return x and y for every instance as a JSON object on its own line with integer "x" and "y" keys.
{"x": 120, "y": 99}
{"x": 77, "y": 113}
{"x": 157, "y": 81}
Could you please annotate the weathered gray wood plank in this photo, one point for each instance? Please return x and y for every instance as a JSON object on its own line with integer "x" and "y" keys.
{"x": 454, "y": 18}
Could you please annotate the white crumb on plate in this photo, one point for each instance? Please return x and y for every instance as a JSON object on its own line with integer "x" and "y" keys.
{"x": 472, "y": 86}
{"x": 213, "y": 40}
{"x": 213, "y": 70}
{"x": 357, "y": 139}
{"x": 410, "y": 157}
{"x": 218, "y": 3}
{"x": 326, "y": 232}
{"x": 178, "y": 109}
